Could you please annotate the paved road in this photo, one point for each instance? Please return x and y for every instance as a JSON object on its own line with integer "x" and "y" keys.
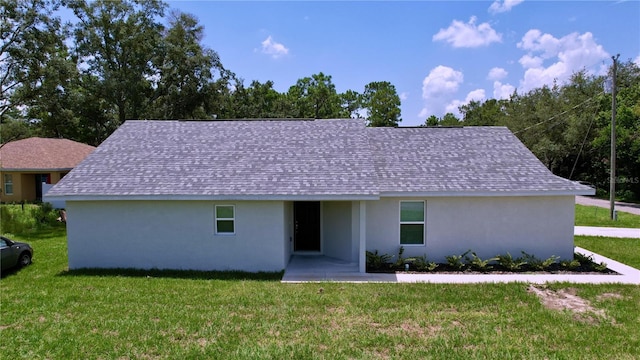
{"x": 620, "y": 206}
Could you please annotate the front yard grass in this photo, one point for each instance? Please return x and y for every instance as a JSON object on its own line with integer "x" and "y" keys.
{"x": 47, "y": 312}
{"x": 597, "y": 216}
{"x": 626, "y": 251}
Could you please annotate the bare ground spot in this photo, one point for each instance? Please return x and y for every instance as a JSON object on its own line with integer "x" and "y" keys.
{"x": 567, "y": 299}
{"x": 607, "y": 296}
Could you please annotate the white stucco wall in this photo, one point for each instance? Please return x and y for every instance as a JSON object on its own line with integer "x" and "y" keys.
{"x": 174, "y": 235}
{"x": 288, "y": 230}
{"x": 542, "y": 226}
{"x": 57, "y": 204}
{"x": 336, "y": 230}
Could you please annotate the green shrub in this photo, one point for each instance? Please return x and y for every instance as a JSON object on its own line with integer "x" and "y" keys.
{"x": 422, "y": 264}
{"x": 476, "y": 263}
{"x": 508, "y": 262}
{"x": 376, "y": 261}
{"x": 538, "y": 264}
{"x": 400, "y": 260}
{"x": 588, "y": 263}
{"x": 27, "y": 218}
{"x": 570, "y": 264}
{"x": 455, "y": 261}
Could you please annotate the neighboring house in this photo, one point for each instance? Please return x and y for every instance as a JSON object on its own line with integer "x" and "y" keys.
{"x": 30, "y": 167}
{"x": 248, "y": 194}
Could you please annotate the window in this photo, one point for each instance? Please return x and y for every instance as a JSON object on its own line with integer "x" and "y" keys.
{"x": 412, "y": 222}
{"x": 225, "y": 219}
{"x": 8, "y": 184}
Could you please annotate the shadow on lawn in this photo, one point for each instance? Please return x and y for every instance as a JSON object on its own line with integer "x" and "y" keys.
{"x": 176, "y": 274}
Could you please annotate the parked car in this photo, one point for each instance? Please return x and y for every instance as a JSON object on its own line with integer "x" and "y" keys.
{"x": 14, "y": 253}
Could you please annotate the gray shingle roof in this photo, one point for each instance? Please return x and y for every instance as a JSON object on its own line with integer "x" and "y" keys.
{"x": 322, "y": 159}
{"x": 271, "y": 159}
{"x": 469, "y": 159}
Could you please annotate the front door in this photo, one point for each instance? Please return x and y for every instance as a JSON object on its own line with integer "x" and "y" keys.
{"x": 306, "y": 220}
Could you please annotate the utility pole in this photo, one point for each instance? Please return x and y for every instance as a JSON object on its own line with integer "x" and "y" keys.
{"x": 612, "y": 179}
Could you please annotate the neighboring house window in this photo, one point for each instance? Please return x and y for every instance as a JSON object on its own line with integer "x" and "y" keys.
{"x": 225, "y": 219}
{"x": 412, "y": 222}
{"x": 8, "y": 184}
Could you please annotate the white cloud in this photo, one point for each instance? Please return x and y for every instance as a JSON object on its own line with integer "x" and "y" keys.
{"x": 468, "y": 35}
{"x": 438, "y": 88}
{"x": 502, "y": 91}
{"x": 637, "y": 60}
{"x": 275, "y": 49}
{"x": 404, "y": 96}
{"x": 497, "y": 74}
{"x": 568, "y": 54}
{"x": 503, "y": 6}
{"x": 528, "y": 61}
{"x": 475, "y": 95}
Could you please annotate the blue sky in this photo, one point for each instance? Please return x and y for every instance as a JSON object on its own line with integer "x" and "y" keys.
{"x": 437, "y": 54}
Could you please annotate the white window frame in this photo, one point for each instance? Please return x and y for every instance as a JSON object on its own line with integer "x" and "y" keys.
{"x": 423, "y": 222}
{"x": 216, "y": 219}
{"x": 8, "y": 177}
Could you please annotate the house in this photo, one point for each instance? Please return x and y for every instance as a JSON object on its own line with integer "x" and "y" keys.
{"x": 221, "y": 195}
{"x": 30, "y": 167}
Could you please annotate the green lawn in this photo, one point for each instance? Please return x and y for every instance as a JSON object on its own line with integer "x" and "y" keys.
{"x": 626, "y": 251}
{"x": 47, "y": 312}
{"x": 597, "y": 216}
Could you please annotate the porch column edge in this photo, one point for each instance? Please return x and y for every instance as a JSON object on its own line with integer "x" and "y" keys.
{"x": 363, "y": 237}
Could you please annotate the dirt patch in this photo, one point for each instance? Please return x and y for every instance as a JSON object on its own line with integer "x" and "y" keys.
{"x": 567, "y": 299}
{"x": 607, "y": 296}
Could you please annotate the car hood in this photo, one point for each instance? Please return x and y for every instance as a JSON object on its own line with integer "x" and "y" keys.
{"x": 17, "y": 243}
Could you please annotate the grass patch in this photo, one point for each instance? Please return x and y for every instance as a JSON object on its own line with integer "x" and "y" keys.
{"x": 626, "y": 251}
{"x": 597, "y": 216}
{"x": 50, "y": 312}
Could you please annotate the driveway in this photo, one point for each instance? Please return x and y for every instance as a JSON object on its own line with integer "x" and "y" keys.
{"x": 620, "y": 206}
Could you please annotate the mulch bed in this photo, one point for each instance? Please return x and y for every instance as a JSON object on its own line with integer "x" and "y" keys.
{"x": 496, "y": 269}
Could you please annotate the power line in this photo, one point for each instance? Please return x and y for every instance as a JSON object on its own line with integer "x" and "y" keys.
{"x": 556, "y": 115}
{"x": 581, "y": 147}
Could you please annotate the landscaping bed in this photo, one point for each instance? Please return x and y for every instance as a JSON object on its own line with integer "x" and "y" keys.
{"x": 470, "y": 263}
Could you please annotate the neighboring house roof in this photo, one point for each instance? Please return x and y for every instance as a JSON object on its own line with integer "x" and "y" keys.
{"x": 321, "y": 159}
{"x": 42, "y": 154}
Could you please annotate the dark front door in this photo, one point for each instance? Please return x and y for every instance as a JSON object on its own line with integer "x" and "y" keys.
{"x": 306, "y": 222}
{"x": 39, "y": 179}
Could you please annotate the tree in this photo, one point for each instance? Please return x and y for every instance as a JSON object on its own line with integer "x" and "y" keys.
{"x": 487, "y": 113}
{"x": 315, "y": 97}
{"x": 259, "y": 100}
{"x": 383, "y": 104}
{"x": 116, "y": 42}
{"x": 351, "y": 102}
{"x": 432, "y": 121}
{"x": 627, "y": 135}
{"x": 449, "y": 119}
{"x": 30, "y": 38}
{"x": 186, "y": 71}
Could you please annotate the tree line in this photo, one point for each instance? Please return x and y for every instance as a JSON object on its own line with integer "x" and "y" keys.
{"x": 136, "y": 59}
{"x": 117, "y": 61}
{"x": 568, "y": 126}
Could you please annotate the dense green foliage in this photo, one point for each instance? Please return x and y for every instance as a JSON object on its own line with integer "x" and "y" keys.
{"x": 28, "y": 218}
{"x": 117, "y": 60}
{"x": 568, "y": 127}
